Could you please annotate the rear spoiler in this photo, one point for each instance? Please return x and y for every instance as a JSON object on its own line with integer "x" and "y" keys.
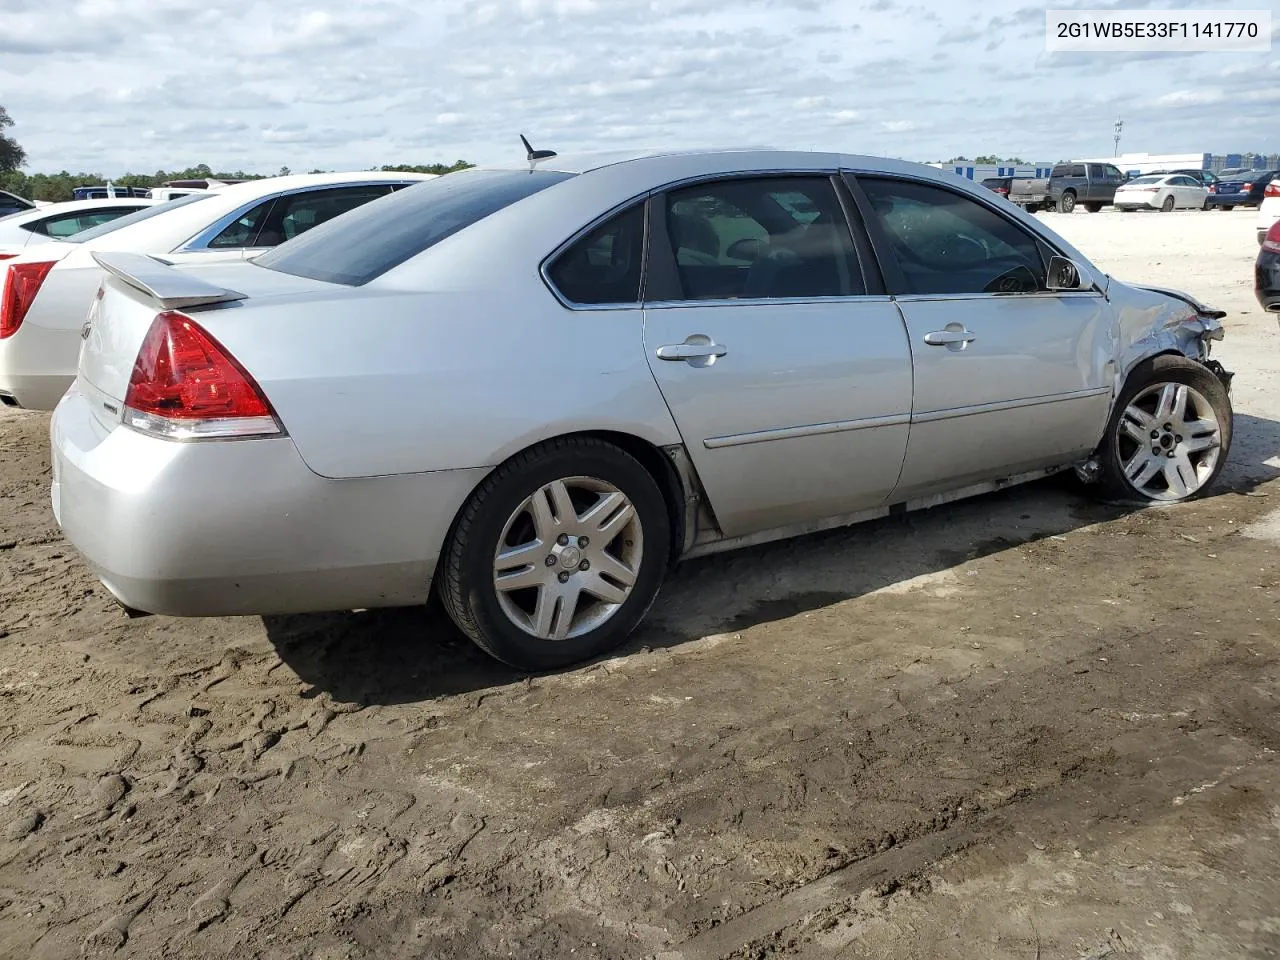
{"x": 172, "y": 289}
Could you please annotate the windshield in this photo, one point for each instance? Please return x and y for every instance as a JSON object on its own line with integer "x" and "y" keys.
{"x": 145, "y": 213}
{"x": 367, "y": 242}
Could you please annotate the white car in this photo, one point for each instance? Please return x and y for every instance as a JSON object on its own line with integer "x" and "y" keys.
{"x": 57, "y": 221}
{"x": 1162, "y": 191}
{"x": 1269, "y": 209}
{"x": 47, "y": 292}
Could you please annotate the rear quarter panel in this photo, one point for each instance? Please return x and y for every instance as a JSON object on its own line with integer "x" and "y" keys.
{"x": 371, "y": 383}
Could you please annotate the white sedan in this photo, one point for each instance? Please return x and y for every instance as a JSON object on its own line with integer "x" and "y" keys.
{"x": 57, "y": 221}
{"x": 1269, "y": 209}
{"x": 47, "y": 291}
{"x": 1165, "y": 192}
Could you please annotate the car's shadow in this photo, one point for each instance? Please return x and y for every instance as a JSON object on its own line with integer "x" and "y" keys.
{"x": 412, "y": 655}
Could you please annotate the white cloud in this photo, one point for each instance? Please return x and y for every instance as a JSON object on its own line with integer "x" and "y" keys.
{"x": 262, "y": 84}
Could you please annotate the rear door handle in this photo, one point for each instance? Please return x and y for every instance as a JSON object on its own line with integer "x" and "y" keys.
{"x": 949, "y": 337}
{"x": 698, "y": 347}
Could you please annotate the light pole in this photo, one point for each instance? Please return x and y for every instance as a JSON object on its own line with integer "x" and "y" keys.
{"x": 1116, "y": 137}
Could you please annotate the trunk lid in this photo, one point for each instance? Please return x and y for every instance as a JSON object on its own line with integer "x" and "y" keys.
{"x": 135, "y": 287}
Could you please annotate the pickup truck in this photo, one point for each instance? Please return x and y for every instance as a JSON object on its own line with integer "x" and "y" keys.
{"x": 1093, "y": 184}
{"x": 1026, "y": 192}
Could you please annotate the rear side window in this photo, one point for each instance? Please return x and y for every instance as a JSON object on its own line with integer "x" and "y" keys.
{"x": 1061, "y": 170}
{"x": 146, "y": 213}
{"x": 368, "y": 242}
{"x": 604, "y": 266}
{"x": 241, "y": 231}
{"x": 68, "y": 224}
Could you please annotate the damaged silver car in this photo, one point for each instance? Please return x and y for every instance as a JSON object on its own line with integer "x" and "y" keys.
{"x": 532, "y": 387}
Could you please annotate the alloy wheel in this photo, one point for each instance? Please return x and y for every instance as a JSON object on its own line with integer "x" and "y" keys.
{"x": 1168, "y": 441}
{"x": 568, "y": 558}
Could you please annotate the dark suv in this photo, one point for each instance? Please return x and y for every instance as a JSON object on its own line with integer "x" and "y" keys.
{"x": 1093, "y": 184}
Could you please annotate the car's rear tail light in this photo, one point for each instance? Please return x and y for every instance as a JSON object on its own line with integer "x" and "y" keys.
{"x": 21, "y": 284}
{"x": 1273, "y": 189}
{"x": 1213, "y": 188}
{"x": 186, "y": 386}
{"x": 1272, "y": 240}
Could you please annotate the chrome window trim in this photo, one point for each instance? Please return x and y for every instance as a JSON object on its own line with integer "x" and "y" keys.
{"x": 544, "y": 265}
{"x": 200, "y": 241}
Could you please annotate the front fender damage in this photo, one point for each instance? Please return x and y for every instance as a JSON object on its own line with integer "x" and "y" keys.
{"x": 1175, "y": 322}
{"x": 1146, "y": 326}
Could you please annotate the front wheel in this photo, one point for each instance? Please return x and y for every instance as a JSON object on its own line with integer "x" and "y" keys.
{"x": 1169, "y": 435}
{"x": 1093, "y": 207}
{"x": 1167, "y": 206}
{"x": 558, "y": 555}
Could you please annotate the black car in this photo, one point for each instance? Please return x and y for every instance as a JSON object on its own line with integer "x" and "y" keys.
{"x": 11, "y": 203}
{"x": 1267, "y": 270}
{"x": 1243, "y": 191}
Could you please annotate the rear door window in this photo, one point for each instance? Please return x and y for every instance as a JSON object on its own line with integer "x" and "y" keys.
{"x": 1096, "y": 172}
{"x": 766, "y": 238}
{"x": 69, "y": 224}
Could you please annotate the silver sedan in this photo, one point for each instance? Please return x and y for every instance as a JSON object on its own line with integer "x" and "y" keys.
{"x": 533, "y": 388}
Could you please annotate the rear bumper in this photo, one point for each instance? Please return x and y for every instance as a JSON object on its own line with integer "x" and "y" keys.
{"x": 1133, "y": 204}
{"x": 1216, "y": 200}
{"x": 221, "y": 528}
{"x": 38, "y": 364}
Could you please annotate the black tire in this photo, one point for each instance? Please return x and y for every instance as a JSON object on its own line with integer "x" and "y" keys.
{"x": 1206, "y": 205}
{"x": 1067, "y": 203}
{"x": 1031, "y": 207}
{"x": 466, "y": 568}
{"x": 1166, "y": 368}
{"x": 1126, "y": 209}
{"x": 1227, "y": 206}
{"x": 1093, "y": 207}
{"x": 1167, "y": 206}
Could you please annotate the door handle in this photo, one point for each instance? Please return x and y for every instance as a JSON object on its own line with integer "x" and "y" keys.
{"x": 949, "y": 337}
{"x": 698, "y": 350}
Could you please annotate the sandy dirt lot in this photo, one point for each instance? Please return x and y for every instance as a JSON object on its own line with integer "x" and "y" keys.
{"x": 1023, "y": 726}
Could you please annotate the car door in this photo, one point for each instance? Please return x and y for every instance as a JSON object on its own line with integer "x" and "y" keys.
{"x": 1097, "y": 183}
{"x": 1009, "y": 377}
{"x": 785, "y": 365}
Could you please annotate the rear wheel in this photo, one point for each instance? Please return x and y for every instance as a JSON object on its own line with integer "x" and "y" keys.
{"x": 1067, "y": 203}
{"x": 558, "y": 555}
{"x": 1167, "y": 205}
{"x": 1227, "y": 206}
{"x": 1169, "y": 434}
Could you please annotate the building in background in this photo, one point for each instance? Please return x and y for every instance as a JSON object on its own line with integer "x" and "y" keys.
{"x": 982, "y": 171}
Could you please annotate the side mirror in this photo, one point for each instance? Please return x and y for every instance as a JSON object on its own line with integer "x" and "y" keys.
{"x": 1063, "y": 275}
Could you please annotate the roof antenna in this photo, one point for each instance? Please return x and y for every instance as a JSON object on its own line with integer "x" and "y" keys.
{"x": 535, "y": 155}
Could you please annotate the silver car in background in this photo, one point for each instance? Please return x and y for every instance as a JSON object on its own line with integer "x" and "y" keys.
{"x": 537, "y": 387}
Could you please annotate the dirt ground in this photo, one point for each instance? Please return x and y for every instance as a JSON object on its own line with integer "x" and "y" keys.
{"x": 1023, "y": 726}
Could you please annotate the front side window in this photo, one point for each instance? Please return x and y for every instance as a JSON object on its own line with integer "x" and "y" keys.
{"x": 604, "y": 266}
{"x": 298, "y": 213}
{"x": 946, "y": 243}
{"x": 767, "y": 238}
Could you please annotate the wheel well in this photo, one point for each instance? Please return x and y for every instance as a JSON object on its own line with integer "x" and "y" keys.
{"x": 660, "y": 468}
{"x": 657, "y": 463}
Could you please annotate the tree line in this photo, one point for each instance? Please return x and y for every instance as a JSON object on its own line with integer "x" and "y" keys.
{"x": 59, "y": 186}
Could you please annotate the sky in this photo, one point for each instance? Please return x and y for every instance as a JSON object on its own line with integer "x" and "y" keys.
{"x": 111, "y": 86}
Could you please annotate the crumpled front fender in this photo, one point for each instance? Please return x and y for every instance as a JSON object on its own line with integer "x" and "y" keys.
{"x": 1155, "y": 320}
